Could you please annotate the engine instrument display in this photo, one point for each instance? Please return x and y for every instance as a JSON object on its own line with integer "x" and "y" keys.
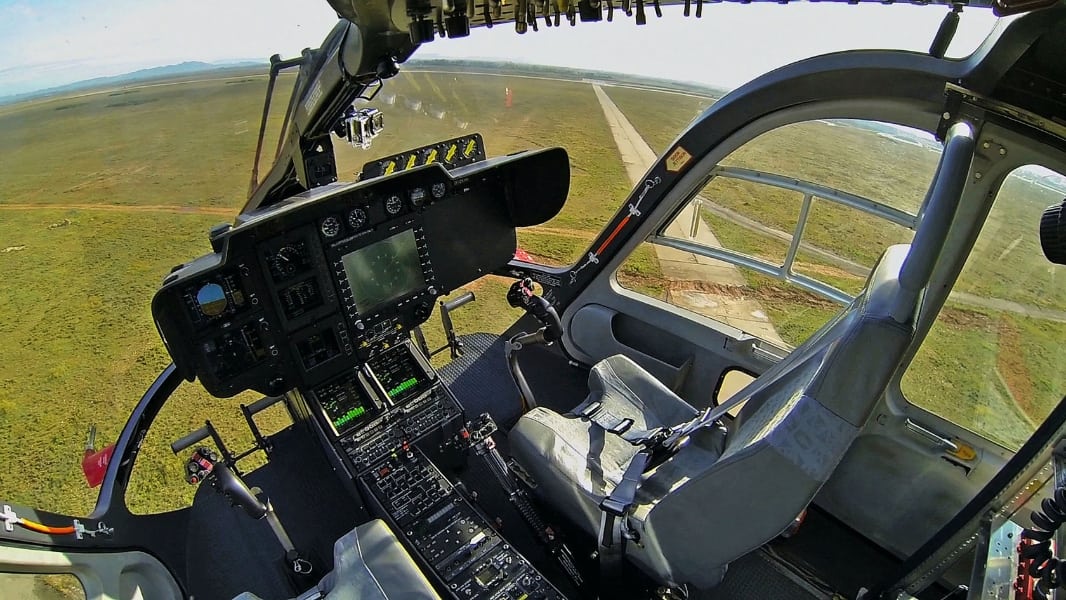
{"x": 384, "y": 271}
{"x": 318, "y": 348}
{"x": 399, "y": 373}
{"x": 345, "y": 402}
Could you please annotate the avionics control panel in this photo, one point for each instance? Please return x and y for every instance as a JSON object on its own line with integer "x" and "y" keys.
{"x": 468, "y": 557}
{"x": 301, "y": 293}
{"x": 393, "y": 401}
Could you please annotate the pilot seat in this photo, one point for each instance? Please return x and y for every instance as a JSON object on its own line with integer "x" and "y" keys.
{"x": 727, "y": 492}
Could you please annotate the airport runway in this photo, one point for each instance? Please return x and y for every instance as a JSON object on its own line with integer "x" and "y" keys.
{"x": 677, "y": 265}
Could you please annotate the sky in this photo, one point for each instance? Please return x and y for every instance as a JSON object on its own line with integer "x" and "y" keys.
{"x": 44, "y": 43}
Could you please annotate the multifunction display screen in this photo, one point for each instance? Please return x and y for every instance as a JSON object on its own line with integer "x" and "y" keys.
{"x": 345, "y": 402}
{"x": 384, "y": 271}
{"x": 399, "y": 374}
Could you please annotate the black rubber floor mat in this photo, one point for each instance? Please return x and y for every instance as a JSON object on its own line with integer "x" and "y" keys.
{"x": 824, "y": 543}
{"x": 229, "y": 553}
{"x": 756, "y": 576}
{"x": 482, "y": 383}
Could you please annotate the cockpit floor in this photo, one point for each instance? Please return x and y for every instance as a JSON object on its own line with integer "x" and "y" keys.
{"x": 482, "y": 383}
{"x": 229, "y": 553}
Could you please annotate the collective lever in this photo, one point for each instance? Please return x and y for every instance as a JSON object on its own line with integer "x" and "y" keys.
{"x": 204, "y": 465}
{"x": 476, "y": 436}
{"x": 521, "y": 295}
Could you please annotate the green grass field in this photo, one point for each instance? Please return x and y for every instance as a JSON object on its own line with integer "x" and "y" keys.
{"x": 169, "y": 161}
{"x": 103, "y": 193}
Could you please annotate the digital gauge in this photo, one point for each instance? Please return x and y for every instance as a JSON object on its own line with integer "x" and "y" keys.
{"x": 299, "y": 298}
{"x": 217, "y": 298}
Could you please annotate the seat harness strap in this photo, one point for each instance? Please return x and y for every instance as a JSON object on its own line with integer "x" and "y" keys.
{"x": 656, "y": 446}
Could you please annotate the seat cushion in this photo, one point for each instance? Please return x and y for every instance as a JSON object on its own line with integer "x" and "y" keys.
{"x": 369, "y": 562}
{"x": 629, "y": 391}
{"x": 576, "y": 463}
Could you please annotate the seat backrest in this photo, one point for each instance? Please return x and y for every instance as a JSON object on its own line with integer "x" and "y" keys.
{"x": 698, "y": 512}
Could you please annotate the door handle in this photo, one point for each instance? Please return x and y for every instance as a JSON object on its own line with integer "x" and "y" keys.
{"x": 940, "y": 441}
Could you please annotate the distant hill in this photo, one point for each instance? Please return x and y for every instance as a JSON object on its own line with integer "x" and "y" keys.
{"x": 192, "y": 68}
{"x": 142, "y": 75}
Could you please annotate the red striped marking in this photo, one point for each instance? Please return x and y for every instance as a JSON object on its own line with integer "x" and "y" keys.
{"x": 610, "y": 238}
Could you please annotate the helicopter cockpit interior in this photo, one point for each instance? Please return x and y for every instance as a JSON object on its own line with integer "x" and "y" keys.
{"x": 596, "y": 449}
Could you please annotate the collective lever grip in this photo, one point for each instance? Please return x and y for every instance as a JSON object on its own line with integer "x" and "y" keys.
{"x": 466, "y": 298}
{"x": 205, "y": 465}
{"x": 238, "y": 492}
{"x": 521, "y": 296}
{"x": 189, "y": 440}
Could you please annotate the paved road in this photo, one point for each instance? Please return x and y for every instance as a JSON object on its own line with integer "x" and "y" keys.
{"x": 677, "y": 265}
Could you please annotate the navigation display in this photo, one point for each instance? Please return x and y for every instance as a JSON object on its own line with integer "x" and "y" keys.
{"x": 384, "y": 271}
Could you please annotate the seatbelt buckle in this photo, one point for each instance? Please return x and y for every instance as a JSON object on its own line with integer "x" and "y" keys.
{"x": 621, "y": 427}
{"x": 613, "y": 507}
{"x": 591, "y": 409}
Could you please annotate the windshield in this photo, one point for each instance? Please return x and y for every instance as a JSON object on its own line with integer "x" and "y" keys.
{"x": 128, "y": 129}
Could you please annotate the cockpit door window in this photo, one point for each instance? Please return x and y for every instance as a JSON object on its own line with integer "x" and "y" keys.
{"x": 788, "y": 227}
{"x": 992, "y": 360}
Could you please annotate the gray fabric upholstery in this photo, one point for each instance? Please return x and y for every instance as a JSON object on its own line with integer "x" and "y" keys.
{"x": 579, "y": 463}
{"x": 725, "y": 494}
{"x": 369, "y": 564}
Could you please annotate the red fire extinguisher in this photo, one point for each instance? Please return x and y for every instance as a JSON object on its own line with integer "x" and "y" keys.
{"x": 94, "y": 463}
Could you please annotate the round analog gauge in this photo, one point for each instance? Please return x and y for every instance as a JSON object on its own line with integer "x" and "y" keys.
{"x": 285, "y": 261}
{"x": 394, "y": 205}
{"x": 357, "y": 218}
{"x": 331, "y": 227}
{"x": 438, "y": 190}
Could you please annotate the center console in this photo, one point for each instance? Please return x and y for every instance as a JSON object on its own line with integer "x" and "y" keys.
{"x": 380, "y": 417}
{"x": 448, "y": 535}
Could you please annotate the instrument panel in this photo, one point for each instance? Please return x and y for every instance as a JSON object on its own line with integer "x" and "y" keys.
{"x": 304, "y": 291}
